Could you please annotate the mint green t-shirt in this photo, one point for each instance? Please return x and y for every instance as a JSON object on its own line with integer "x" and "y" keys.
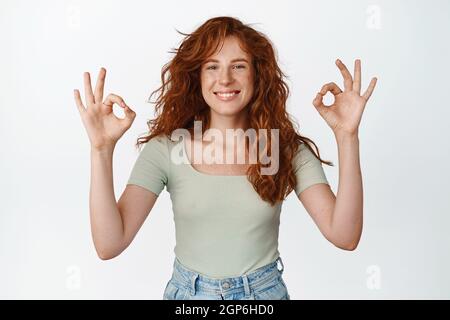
{"x": 222, "y": 227}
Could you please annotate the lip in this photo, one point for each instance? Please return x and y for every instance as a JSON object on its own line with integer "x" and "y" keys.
{"x": 222, "y": 98}
{"x": 227, "y": 91}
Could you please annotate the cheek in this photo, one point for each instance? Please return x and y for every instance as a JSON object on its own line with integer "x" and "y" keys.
{"x": 248, "y": 80}
{"x": 206, "y": 83}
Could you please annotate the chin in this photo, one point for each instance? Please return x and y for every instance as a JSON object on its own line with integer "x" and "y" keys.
{"x": 227, "y": 110}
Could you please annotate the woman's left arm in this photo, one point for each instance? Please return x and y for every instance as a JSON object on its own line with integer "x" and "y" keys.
{"x": 347, "y": 216}
{"x": 343, "y": 223}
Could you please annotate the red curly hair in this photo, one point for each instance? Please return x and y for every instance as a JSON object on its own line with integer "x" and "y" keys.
{"x": 180, "y": 101}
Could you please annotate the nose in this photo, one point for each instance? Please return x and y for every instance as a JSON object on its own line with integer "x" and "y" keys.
{"x": 225, "y": 77}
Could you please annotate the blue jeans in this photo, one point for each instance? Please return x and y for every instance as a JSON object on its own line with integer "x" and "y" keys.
{"x": 264, "y": 283}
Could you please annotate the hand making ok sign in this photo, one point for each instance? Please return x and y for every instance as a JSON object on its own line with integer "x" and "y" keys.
{"x": 344, "y": 115}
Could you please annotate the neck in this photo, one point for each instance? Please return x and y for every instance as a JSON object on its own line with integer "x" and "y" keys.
{"x": 224, "y": 122}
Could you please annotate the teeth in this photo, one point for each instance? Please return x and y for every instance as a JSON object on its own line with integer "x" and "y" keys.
{"x": 226, "y": 95}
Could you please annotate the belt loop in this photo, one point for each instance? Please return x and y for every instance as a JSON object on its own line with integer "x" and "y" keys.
{"x": 246, "y": 286}
{"x": 192, "y": 289}
{"x": 282, "y": 265}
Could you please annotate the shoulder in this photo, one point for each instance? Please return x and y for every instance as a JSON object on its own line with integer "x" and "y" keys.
{"x": 303, "y": 152}
{"x": 157, "y": 145}
{"x": 304, "y": 157}
{"x": 162, "y": 145}
{"x": 159, "y": 141}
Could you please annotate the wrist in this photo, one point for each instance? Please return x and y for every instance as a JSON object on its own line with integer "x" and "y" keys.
{"x": 104, "y": 150}
{"x": 346, "y": 136}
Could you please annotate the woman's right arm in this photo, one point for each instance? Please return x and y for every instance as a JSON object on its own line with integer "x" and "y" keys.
{"x": 113, "y": 224}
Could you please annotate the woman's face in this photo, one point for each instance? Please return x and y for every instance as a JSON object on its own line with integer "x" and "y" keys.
{"x": 227, "y": 79}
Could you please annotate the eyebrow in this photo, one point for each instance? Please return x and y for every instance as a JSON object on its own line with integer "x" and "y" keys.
{"x": 234, "y": 60}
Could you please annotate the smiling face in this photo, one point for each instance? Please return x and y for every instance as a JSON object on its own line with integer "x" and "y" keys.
{"x": 227, "y": 79}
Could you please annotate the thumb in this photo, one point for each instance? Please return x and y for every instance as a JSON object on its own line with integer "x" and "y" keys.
{"x": 318, "y": 103}
{"x": 129, "y": 114}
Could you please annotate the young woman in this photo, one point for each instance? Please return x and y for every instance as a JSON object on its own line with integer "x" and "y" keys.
{"x": 224, "y": 76}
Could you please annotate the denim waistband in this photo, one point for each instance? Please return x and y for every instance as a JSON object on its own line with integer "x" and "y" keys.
{"x": 193, "y": 280}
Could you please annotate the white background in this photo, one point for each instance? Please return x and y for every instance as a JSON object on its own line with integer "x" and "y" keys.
{"x": 46, "y": 249}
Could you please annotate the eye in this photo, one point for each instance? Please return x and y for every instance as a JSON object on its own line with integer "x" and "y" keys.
{"x": 211, "y": 67}
{"x": 239, "y": 66}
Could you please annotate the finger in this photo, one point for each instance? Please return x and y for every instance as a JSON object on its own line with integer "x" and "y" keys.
{"x": 321, "y": 108}
{"x": 89, "y": 96}
{"x": 318, "y": 103}
{"x": 332, "y": 87}
{"x": 78, "y": 101}
{"x": 357, "y": 79}
{"x": 129, "y": 114}
{"x": 348, "y": 81}
{"x": 113, "y": 98}
{"x": 129, "y": 117}
{"x": 99, "y": 86}
{"x": 369, "y": 90}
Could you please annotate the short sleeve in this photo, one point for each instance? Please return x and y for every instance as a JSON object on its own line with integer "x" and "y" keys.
{"x": 308, "y": 169}
{"x": 151, "y": 169}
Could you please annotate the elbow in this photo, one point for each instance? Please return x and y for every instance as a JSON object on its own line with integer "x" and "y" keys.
{"x": 347, "y": 246}
{"x": 106, "y": 254}
{"x": 108, "y": 250}
{"x": 347, "y": 243}
{"x": 351, "y": 247}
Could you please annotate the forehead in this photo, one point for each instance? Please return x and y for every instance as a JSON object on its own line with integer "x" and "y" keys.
{"x": 231, "y": 48}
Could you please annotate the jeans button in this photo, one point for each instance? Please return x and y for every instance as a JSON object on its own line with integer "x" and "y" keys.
{"x": 225, "y": 285}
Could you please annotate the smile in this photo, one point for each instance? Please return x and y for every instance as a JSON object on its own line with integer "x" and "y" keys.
{"x": 226, "y": 95}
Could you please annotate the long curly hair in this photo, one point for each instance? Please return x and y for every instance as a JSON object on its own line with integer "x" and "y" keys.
{"x": 180, "y": 102}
